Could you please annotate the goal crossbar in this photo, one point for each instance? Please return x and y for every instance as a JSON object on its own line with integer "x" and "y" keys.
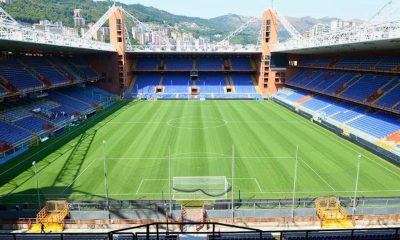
{"x": 200, "y": 188}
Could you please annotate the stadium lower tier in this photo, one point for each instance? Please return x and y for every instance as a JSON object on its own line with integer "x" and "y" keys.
{"x": 208, "y": 85}
{"x": 373, "y": 89}
{"x": 24, "y": 121}
{"x": 379, "y": 128}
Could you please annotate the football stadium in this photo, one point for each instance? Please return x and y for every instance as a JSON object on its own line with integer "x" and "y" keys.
{"x": 284, "y": 139}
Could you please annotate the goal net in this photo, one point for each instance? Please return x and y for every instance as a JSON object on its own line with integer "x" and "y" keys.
{"x": 200, "y": 188}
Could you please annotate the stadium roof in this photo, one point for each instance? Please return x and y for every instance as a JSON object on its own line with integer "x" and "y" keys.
{"x": 10, "y": 45}
{"x": 378, "y": 45}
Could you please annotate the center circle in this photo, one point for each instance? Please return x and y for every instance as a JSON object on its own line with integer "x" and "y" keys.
{"x": 197, "y": 122}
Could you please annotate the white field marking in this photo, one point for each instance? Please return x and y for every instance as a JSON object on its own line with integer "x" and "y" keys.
{"x": 226, "y": 122}
{"x": 140, "y": 185}
{"x": 254, "y": 179}
{"x": 258, "y": 184}
{"x": 137, "y": 122}
{"x": 155, "y": 193}
{"x": 220, "y": 123}
{"x": 312, "y": 169}
{"x": 163, "y": 158}
{"x": 84, "y": 170}
{"x": 352, "y": 149}
{"x": 147, "y": 179}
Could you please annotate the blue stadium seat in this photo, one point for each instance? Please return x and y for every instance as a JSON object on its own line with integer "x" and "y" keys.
{"x": 147, "y": 63}
{"x": 241, "y": 63}
{"x": 209, "y": 63}
{"x": 178, "y": 63}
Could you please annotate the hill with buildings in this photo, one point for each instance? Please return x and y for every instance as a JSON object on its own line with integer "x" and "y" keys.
{"x": 33, "y": 11}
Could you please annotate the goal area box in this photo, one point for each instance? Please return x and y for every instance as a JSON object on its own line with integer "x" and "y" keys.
{"x": 200, "y": 188}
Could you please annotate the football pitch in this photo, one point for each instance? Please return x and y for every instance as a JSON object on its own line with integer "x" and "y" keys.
{"x": 144, "y": 143}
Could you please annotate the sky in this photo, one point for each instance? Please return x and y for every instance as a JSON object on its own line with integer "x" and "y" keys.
{"x": 345, "y": 9}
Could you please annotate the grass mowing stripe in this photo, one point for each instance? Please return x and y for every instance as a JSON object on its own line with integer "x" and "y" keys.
{"x": 265, "y": 136}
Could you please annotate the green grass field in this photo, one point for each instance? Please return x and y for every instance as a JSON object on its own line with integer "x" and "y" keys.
{"x": 200, "y": 135}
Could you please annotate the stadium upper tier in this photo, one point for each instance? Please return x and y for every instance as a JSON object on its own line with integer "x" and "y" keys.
{"x": 373, "y": 89}
{"x": 196, "y": 63}
{"x": 24, "y": 74}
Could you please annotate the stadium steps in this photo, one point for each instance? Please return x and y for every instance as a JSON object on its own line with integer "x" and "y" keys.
{"x": 395, "y": 137}
{"x": 161, "y": 80}
{"x": 227, "y": 81}
{"x": 348, "y": 85}
{"x": 134, "y": 64}
{"x": 396, "y": 105}
{"x": 19, "y": 127}
{"x": 253, "y": 64}
{"x": 332, "y": 214}
{"x": 193, "y": 63}
{"x": 387, "y": 92}
{"x": 133, "y": 81}
{"x": 8, "y": 85}
{"x": 377, "y": 64}
{"x": 323, "y": 108}
{"x": 35, "y": 74}
{"x": 333, "y": 83}
{"x": 304, "y": 99}
{"x": 355, "y": 118}
{"x": 4, "y": 88}
{"x": 73, "y": 98}
{"x": 258, "y": 90}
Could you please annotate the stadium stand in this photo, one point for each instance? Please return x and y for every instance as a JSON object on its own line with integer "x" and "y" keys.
{"x": 377, "y": 89}
{"x": 241, "y": 63}
{"x": 21, "y": 78}
{"x": 178, "y": 63}
{"x": 145, "y": 84}
{"x": 147, "y": 63}
{"x": 211, "y": 83}
{"x": 243, "y": 83}
{"x": 31, "y": 118}
{"x": 3, "y": 91}
{"x": 42, "y": 66}
{"x": 209, "y": 63}
{"x": 376, "y": 124}
{"x": 176, "y": 83}
{"x": 11, "y": 133}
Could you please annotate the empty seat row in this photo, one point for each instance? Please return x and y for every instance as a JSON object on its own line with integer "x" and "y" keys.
{"x": 188, "y": 63}
{"x": 379, "y": 89}
{"x": 376, "y": 124}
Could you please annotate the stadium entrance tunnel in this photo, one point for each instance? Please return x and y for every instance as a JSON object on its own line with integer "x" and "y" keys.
{"x": 197, "y": 123}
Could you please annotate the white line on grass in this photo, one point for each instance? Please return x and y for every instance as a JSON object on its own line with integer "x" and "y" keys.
{"x": 258, "y": 184}
{"x": 140, "y": 185}
{"x": 84, "y": 170}
{"x": 312, "y": 169}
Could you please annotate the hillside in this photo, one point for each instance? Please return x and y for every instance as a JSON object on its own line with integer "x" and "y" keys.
{"x": 32, "y": 11}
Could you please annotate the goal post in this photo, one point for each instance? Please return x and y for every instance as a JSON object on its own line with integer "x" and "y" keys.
{"x": 200, "y": 188}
